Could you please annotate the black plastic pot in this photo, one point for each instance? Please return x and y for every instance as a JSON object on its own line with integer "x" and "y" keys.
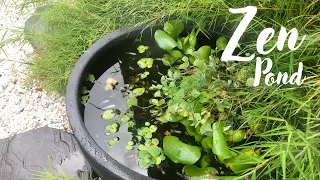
{"x": 97, "y": 59}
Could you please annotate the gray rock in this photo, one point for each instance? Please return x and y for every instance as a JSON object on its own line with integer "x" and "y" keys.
{"x": 23, "y": 154}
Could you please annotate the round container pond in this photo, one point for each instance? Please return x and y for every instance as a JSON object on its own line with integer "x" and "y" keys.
{"x": 116, "y": 56}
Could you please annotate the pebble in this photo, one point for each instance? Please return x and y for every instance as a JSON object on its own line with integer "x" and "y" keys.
{"x": 23, "y": 108}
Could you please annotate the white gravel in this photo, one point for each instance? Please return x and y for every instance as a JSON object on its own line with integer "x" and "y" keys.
{"x": 23, "y": 108}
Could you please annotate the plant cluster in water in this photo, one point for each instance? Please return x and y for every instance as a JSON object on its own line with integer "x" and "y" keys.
{"x": 199, "y": 93}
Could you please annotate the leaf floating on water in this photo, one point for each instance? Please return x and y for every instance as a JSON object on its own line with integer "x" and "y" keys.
{"x": 129, "y": 147}
{"x": 132, "y": 101}
{"x": 130, "y": 124}
{"x": 125, "y": 118}
{"x": 109, "y": 87}
{"x": 91, "y": 78}
{"x": 145, "y": 63}
{"x": 144, "y": 75}
{"x": 147, "y": 124}
{"x": 108, "y": 114}
{"x": 157, "y": 94}
{"x": 84, "y": 99}
{"x": 112, "y": 81}
{"x": 84, "y": 90}
{"x": 138, "y": 91}
{"x": 141, "y": 49}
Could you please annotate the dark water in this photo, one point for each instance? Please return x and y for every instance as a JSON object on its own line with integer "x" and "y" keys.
{"x": 101, "y": 100}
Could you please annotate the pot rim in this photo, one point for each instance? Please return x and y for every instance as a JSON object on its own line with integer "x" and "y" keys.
{"x": 86, "y": 142}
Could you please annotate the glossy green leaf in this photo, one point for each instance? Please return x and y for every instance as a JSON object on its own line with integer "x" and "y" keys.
{"x": 246, "y": 159}
{"x": 108, "y": 114}
{"x": 194, "y": 171}
{"x": 191, "y": 130}
{"x": 176, "y": 54}
{"x": 219, "y": 145}
{"x": 164, "y": 41}
{"x": 193, "y": 38}
{"x": 174, "y": 27}
{"x": 207, "y": 142}
{"x": 206, "y": 161}
{"x": 167, "y": 60}
{"x": 222, "y": 43}
{"x": 180, "y": 152}
{"x": 203, "y": 53}
{"x": 235, "y": 135}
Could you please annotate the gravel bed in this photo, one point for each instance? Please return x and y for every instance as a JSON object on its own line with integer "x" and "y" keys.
{"x": 23, "y": 108}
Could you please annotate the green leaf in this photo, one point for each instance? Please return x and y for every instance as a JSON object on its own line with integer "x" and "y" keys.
{"x": 199, "y": 63}
{"x": 164, "y": 41}
{"x": 180, "y": 152}
{"x": 125, "y": 118}
{"x": 161, "y": 102}
{"x": 176, "y": 54}
{"x": 194, "y": 171}
{"x": 154, "y": 102}
{"x": 153, "y": 128}
{"x": 250, "y": 82}
{"x": 85, "y": 98}
{"x": 195, "y": 93}
{"x": 157, "y": 94}
{"x": 191, "y": 130}
{"x": 132, "y": 101}
{"x": 141, "y": 49}
{"x": 108, "y": 114}
{"x": 84, "y": 90}
{"x": 235, "y": 135}
{"x": 108, "y": 87}
{"x": 203, "y": 53}
{"x": 222, "y": 43}
{"x": 219, "y": 145}
{"x": 174, "y": 27}
{"x": 246, "y": 159}
{"x": 184, "y": 65}
{"x": 138, "y": 91}
{"x": 145, "y": 63}
{"x": 193, "y": 38}
{"x": 144, "y": 75}
{"x": 155, "y": 141}
{"x": 206, "y": 127}
{"x": 91, "y": 78}
{"x": 129, "y": 147}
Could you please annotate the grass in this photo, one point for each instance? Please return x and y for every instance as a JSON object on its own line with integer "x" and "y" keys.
{"x": 73, "y": 26}
{"x": 290, "y": 113}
